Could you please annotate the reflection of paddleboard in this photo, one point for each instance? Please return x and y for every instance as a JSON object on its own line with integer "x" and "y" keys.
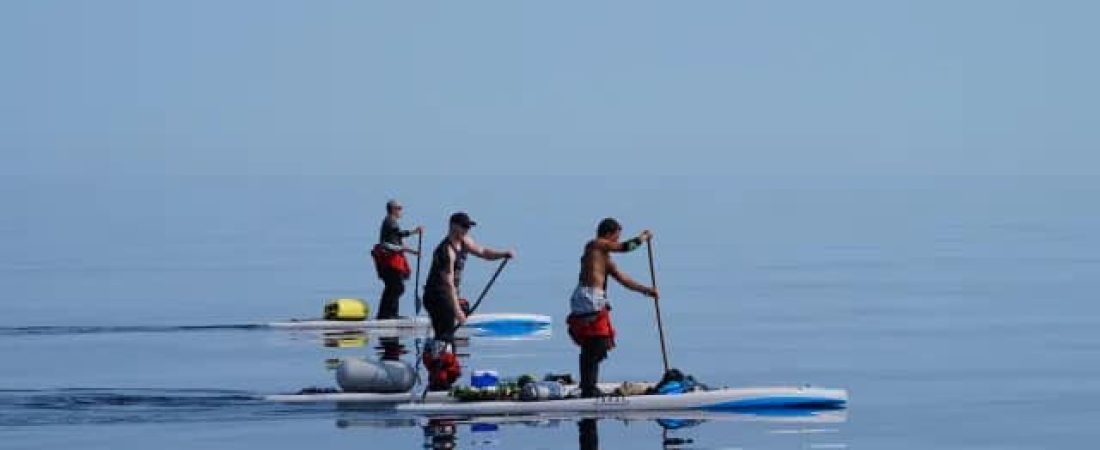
{"x": 795, "y": 416}
{"x": 725, "y": 399}
{"x": 496, "y": 323}
{"x": 822, "y": 416}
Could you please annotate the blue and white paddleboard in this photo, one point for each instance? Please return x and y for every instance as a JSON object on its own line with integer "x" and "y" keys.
{"x": 493, "y": 323}
{"x": 718, "y": 400}
{"x": 725, "y": 399}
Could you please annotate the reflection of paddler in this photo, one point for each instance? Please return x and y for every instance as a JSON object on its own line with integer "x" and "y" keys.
{"x": 441, "y": 434}
{"x": 441, "y": 298}
{"x": 390, "y": 349}
{"x": 588, "y": 434}
{"x": 590, "y": 312}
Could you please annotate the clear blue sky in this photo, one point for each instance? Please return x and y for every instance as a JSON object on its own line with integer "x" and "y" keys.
{"x": 712, "y": 87}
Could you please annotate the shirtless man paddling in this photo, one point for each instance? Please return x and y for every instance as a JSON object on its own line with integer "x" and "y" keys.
{"x": 590, "y": 312}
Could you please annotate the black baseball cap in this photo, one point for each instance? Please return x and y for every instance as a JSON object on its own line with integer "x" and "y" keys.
{"x": 461, "y": 218}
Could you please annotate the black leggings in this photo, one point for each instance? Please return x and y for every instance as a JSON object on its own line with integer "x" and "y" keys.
{"x": 593, "y": 351}
{"x": 390, "y": 303}
{"x": 443, "y": 317}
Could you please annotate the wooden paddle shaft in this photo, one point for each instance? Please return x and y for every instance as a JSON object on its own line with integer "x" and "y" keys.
{"x": 657, "y": 304}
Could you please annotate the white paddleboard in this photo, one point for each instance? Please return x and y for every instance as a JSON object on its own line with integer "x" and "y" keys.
{"x": 749, "y": 398}
{"x": 717, "y": 400}
{"x": 502, "y": 323}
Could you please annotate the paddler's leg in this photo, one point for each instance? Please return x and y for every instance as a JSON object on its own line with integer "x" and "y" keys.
{"x": 391, "y": 294}
{"x": 593, "y": 351}
{"x": 442, "y": 315}
{"x": 443, "y": 322}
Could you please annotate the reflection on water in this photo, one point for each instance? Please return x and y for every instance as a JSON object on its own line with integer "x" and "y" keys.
{"x": 441, "y": 434}
{"x": 360, "y": 338}
{"x": 588, "y": 434}
{"x": 344, "y": 339}
{"x": 676, "y": 428}
{"x": 98, "y": 406}
{"x": 390, "y": 349}
{"x": 27, "y": 409}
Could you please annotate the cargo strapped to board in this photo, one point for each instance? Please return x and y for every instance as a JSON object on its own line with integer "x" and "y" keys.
{"x": 346, "y": 309}
{"x": 675, "y": 382}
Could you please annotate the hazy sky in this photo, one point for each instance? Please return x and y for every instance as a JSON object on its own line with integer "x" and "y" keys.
{"x": 112, "y": 87}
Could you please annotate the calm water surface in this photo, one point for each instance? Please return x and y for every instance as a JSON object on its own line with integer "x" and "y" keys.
{"x": 959, "y": 312}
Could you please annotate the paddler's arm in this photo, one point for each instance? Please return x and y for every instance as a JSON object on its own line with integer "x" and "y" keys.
{"x": 418, "y": 230}
{"x": 406, "y": 233}
{"x": 390, "y": 236}
{"x": 628, "y": 245}
{"x": 399, "y": 248}
{"x": 486, "y": 253}
{"x": 628, "y": 282}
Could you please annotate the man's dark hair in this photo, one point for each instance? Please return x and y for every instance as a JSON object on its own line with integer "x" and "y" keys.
{"x": 608, "y": 226}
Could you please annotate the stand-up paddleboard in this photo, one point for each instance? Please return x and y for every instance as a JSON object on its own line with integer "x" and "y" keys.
{"x": 312, "y": 395}
{"x": 496, "y": 323}
{"x": 718, "y": 400}
{"x": 359, "y": 398}
{"x": 731, "y": 399}
{"x": 539, "y": 334}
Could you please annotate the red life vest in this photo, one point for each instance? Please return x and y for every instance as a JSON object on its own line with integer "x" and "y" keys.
{"x": 588, "y": 326}
{"x": 385, "y": 258}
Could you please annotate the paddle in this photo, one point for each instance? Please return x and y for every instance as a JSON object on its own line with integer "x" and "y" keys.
{"x": 481, "y": 297}
{"x": 657, "y": 303}
{"x": 416, "y": 287}
{"x": 485, "y": 291}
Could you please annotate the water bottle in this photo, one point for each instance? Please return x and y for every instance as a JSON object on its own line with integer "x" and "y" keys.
{"x": 542, "y": 390}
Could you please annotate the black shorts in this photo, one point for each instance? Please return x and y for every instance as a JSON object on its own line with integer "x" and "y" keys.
{"x": 442, "y": 313}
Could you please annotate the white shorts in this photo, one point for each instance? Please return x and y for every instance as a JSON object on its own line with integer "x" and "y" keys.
{"x": 587, "y": 300}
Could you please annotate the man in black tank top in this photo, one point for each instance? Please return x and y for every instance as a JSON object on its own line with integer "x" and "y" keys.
{"x": 441, "y": 290}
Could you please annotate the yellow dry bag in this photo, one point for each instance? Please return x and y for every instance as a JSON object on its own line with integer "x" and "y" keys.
{"x": 346, "y": 309}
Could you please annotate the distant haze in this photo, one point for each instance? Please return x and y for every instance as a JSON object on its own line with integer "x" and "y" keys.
{"x": 718, "y": 87}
